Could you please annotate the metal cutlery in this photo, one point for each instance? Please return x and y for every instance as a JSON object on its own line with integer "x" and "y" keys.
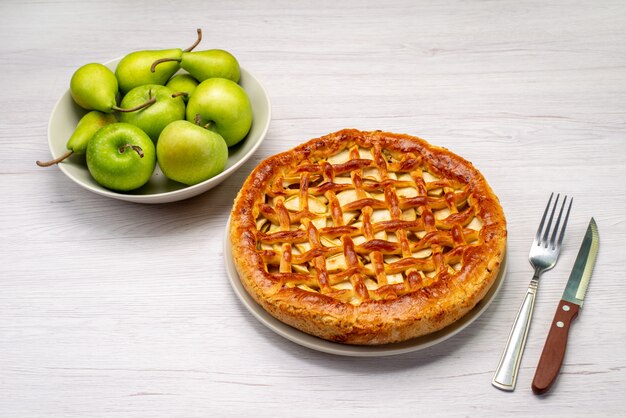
{"x": 569, "y": 306}
{"x": 544, "y": 253}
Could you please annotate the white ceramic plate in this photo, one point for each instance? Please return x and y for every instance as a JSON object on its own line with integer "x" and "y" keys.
{"x": 66, "y": 114}
{"x": 319, "y": 344}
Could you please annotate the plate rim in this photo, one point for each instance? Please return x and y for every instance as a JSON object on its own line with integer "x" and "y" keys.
{"x": 318, "y": 344}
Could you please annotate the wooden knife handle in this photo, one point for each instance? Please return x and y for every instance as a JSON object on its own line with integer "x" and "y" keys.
{"x": 554, "y": 349}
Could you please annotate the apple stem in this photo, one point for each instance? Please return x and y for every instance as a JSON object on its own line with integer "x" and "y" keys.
{"x": 195, "y": 44}
{"x": 136, "y": 148}
{"x": 198, "y": 122}
{"x": 136, "y": 108}
{"x": 55, "y": 161}
{"x": 180, "y": 93}
{"x": 157, "y": 62}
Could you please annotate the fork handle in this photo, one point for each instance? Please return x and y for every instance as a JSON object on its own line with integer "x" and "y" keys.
{"x": 506, "y": 373}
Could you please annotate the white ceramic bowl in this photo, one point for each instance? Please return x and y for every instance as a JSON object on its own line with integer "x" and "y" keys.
{"x": 159, "y": 189}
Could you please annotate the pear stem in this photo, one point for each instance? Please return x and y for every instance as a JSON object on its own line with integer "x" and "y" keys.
{"x": 180, "y": 93}
{"x": 195, "y": 44}
{"x": 136, "y": 108}
{"x": 157, "y": 62}
{"x": 56, "y": 160}
{"x": 136, "y": 148}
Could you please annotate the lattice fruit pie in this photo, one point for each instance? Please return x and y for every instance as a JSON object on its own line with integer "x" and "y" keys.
{"x": 367, "y": 237}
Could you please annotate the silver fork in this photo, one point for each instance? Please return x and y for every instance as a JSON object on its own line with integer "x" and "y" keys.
{"x": 543, "y": 255}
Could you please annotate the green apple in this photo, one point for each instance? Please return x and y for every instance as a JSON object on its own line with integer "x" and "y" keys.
{"x": 121, "y": 157}
{"x": 189, "y": 153}
{"x": 167, "y": 108}
{"x": 222, "y": 106}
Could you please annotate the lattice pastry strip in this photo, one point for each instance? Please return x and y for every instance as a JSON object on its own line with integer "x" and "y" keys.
{"x": 370, "y": 190}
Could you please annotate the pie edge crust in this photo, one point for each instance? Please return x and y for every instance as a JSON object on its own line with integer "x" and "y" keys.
{"x": 374, "y": 322}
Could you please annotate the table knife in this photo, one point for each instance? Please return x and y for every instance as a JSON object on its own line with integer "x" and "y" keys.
{"x": 554, "y": 349}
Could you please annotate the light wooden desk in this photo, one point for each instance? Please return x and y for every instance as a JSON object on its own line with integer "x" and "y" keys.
{"x": 116, "y": 309}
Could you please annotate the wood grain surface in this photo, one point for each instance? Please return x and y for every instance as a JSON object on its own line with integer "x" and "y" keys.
{"x": 110, "y": 308}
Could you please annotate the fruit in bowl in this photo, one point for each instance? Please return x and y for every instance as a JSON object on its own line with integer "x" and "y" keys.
{"x": 86, "y": 128}
{"x": 223, "y": 106}
{"x": 168, "y": 106}
{"x": 184, "y": 83}
{"x": 160, "y": 188}
{"x": 189, "y": 153}
{"x": 121, "y": 157}
{"x": 135, "y": 69}
{"x": 202, "y": 65}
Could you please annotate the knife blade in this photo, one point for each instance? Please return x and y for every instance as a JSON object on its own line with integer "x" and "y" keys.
{"x": 554, "y": 349}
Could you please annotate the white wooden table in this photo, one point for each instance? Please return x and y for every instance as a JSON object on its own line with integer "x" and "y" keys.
{"x": 117, "y": 309}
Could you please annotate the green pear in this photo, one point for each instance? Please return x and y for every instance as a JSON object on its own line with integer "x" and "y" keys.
{"x": 121, "y": 157}
{"x": 86, "y": 128}
{"x": 134, "y": 69}
{"x": 212, "y": 63}
{"x": 190, "y": 154}
{"x": 168, "y": 106}
{"x": 222, "y": 106}
{"x": 183, "y": 83}
{"x": 94, "y": 87}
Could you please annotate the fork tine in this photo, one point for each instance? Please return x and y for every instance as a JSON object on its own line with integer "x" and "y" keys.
{"x": 543, "y": 218}
{"x": 555, "y": 232}
{"x": 544, "y": 241}
{"x": 558, "y": 244}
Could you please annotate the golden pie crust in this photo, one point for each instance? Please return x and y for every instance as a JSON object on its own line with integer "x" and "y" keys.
{"x": 367, "y": 237}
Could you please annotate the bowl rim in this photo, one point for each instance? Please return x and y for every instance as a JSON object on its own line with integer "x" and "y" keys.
{"x": 173, "y": 195}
